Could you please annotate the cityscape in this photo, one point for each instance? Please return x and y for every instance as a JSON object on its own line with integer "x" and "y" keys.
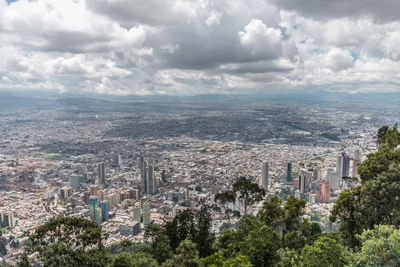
{"x": 199, "y": 133}
{"x": 77, "y": 161}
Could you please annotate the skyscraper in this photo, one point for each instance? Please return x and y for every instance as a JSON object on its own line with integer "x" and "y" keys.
{"x": 317, "y": 174}
{"x": 136, "y": 212}
{"x": 93, "y": 204}
{"x": 289, "y": 172}
{"x": 104, "y": 210}
{"x": 151, "y": 180}
{"x": 346, "y": 165}
{"x": 143, "y": 174}
{"x": 102, "y": 173}
{"x": 117, "y": 160}
{"x": 264, "y": 177}
{"x": 146, "y": 213}
{"x": 303, "y": 182}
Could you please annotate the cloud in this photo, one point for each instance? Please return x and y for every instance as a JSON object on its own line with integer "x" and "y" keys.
{"x": 381, "y": 11}
{"x": 189, "y": 47}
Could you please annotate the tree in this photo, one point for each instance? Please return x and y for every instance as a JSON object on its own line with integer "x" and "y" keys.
{"x": 243, "y": 191}
{"x": 138, "y": 259}
{"x": 271, "y": 213}
{"x": 326, "y": 251}
{"x": 379, "y": 247}
{"x": 180, "y": 228}
{"x": 68, "y": 241}
{"x": 381, "y": 135}
{"x": 204, "y": 237}
{"x": 376, "y": 200}
{"x": 160, "y": 244}
{"x": 218, "y": 260}
{"x": 261, "y": 246}
{"x": 186, "y": 255}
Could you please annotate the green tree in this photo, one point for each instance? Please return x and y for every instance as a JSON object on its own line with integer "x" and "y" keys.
{"x": 138, "y": 259}
{"x": 68, "y": 241}
{"x": 186, "y": 255}
{"x": 380, "y": 247}
{"x": 244, "y": 191}
{"x": 326, "y": 251}
{"x": 262, "y": 246}
{"x": 381, "y": 135}
{"x": 160, "y": 244}
{"x": 375, "y": 201}
{"x": 204, "y": 237}
{"x": 271, "y": 213}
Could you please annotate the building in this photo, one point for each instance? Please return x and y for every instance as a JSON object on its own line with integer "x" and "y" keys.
{"x": 102, "y": 173}
{"x": 7, "y": 220}
{"x": 151, "y": 180}
{"x": 143, "y": 173}
{"x": 303, "y": 182}
{"x": 93, "y": 204}
{"x": 264, "y": 177}
{"x": 317, "y": 174}
{"x": 146, "y": 213}
{"x": 98, "y": 216}
{"x": 334, "y": 179}
{"x": 117, "y": 160}
{"x": 129, "y": 228}
{"x": 104, "y": 210}
{"x": 75, "y": 181}
{"x": 136, "y": 212}
{"x": 289, "y": 172}
{"x": 324, "y": 192}
{"x": 346, "y": 165}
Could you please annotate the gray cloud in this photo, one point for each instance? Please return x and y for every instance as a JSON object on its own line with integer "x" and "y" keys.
{"x": 193, "y": 47}
{"x": 381, "y": 11}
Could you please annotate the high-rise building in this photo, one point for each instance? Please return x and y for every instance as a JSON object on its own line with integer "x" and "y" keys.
{"x": 143, "y": 173}
{"x": 324, "y": 192}
{"x": 346, "y": 165}
{"x": 339, "y": 166}
{"x": 317, "y": 174}
{"x": 75, "y": 181}
{"x": 93, "y": 204}
{"x": 289, "y": 172}
{"x": 146, "y": 213}
{"x": 264, "y": 177}
{"x": 104, "y": 210}
{"x": 303, "y": 182}
{"x": 102, "y": 173}
{"x": 136, "y": 212}
{"x": 333, "y": 179}
{"x": 98, "y": 217}
{"x": 151, "y": 180}
{"x": 117, "y": 160}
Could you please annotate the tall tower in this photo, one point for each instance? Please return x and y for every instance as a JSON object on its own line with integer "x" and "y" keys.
{"x": 289, "y": 172}
{"x": 146, "y": 213}
{"x": 102, "y": 173}
{"x": 104, "y": 210}
{"x": 143, "y": 173}
{"x": 264, "y": 178}
{"x": 346, "y": 165}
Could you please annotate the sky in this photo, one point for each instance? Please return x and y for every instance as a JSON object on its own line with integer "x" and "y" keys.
{"x": 190, "y": 47}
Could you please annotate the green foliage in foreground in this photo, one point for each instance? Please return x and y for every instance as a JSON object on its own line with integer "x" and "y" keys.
{"x": 368, "y": 214}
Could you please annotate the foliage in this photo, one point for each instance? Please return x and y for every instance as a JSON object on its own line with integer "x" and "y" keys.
{"x": 374, "y": 201}
{"x": 186, "y": 255}
{"x": 381, "y": 135}
{"x": 326, "y": 251}
{"x": 380, "y": 247}
{"x": 243, "y": 191}
{"x": 139, "y": 259}
{"x": 68, "y": 241}
{"x": 262, "y": 246}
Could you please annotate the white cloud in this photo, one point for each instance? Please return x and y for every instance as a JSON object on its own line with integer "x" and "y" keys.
{"x": 190, "y": 47}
